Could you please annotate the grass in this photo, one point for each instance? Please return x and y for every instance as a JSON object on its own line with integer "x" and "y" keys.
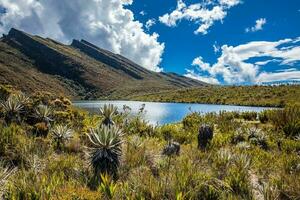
{"x": 235, "y": 164}
{"x": 278, "y": 96}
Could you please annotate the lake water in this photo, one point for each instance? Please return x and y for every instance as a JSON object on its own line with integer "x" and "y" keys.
{"x": 164, "y": 113}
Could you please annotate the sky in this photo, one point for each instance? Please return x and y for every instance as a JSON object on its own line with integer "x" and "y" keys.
{"x": 217, "y": 41}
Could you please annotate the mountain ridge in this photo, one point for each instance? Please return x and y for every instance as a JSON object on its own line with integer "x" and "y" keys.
{"x": 80, "y": 70}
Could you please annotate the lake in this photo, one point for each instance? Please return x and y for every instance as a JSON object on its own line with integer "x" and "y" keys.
{"x": 164, "y": 113}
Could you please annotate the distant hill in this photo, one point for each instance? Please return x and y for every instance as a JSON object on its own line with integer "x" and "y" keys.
{"x": 80, "y": 70}
{"x": 272, "y": 95}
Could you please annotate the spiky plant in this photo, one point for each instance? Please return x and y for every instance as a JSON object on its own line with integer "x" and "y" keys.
{"x": 12, "y": 108}
{"x": 43, "y": 113}
{"x": 108, "y": 111}
{"x": 60, "y": 135}
{"x": 105, "y": 149}
{"x": 22, "y": 98}
{"x": 257, "y": 137}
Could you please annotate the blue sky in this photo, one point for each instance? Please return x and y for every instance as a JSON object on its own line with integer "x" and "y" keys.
{"x": 237, "y": 41}
{"x": 182, "y": 45}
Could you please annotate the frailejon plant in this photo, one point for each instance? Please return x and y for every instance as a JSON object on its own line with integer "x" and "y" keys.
{"x": 43, "y": 114}
{"x": 205, "y": 135}
{"x": 12, "y": 109}
{"x": 60, "y": 135}
{"x": 108, "y": 111}
{"x": 257, "y": 137}
{"x": 105, "y": 150}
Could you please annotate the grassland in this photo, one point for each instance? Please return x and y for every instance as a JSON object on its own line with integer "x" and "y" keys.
{"x": 248, "y": 158}
{"x": 278, "y": 96}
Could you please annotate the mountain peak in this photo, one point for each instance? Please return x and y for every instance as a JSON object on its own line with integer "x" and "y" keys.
{"x": 82, "y": 69}
{"x": 15, "y": 32}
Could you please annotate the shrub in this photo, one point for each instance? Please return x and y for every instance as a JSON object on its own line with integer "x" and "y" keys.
{"x": 41, "y": 129}
{"x": 176, "y": 133}
{"x": 192, "y": 122}
{"x": 287, "y": 120}
{"x": 14, "y": 145}
{"x": 141, "y": 127}
{"x": 250, "y": 116}
{"x": 265, "y": 115}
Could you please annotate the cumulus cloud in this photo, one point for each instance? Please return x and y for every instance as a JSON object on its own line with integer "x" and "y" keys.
{"x": 258, "y": 25}
{"x": 207, "y": 79}
{"x": 234, "y": 66}
{"x": 150, "y": 23}
{"x": 205, "y": 14}
{"x": 106, "y": 23}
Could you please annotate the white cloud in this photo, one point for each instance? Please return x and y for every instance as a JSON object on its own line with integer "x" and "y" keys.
{"x": 205, "y": 14}
{"x": 265, "y": 77}
{"x": 143, "y": 13}
{"x": 266, "y": 62}
{"x": 206, "y": 79}
{"x": 258, "y": 25}
{"x": 150, "y": 23}
{"x": 234, "y": 67}
{"x": 216, "y": 48}
{"x": 106, "y": 23}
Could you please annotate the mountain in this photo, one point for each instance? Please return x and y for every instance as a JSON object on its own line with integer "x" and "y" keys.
{"x": 80, "y": 70}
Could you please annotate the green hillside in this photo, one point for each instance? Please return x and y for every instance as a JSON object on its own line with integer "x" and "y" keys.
{"x": 80, "y": 70}
{"x": 236, "y": 95}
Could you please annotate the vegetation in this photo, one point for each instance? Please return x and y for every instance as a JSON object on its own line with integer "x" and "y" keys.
{"x": 61, "y": 134}
{"x": 250, "y": 156}
{"x": 278, "y": 96}
{"x": 106, "y": 150}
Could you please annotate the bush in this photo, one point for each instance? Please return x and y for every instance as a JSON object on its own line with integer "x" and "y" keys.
{"x": 15, "y": 148}
{"x": 191, "y": 122}
{"x": 265, "y": 115}
{"x": 176, "y": 133}
{"x": 139, "y": 126}
{"x": 249, "y": 116}
{"x": 287, "y": 120}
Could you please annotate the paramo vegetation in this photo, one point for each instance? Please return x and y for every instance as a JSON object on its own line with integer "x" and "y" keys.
{"x": 51, "y": 150}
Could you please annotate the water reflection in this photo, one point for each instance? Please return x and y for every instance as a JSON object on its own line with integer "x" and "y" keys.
{"x": 163, "y": 113}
